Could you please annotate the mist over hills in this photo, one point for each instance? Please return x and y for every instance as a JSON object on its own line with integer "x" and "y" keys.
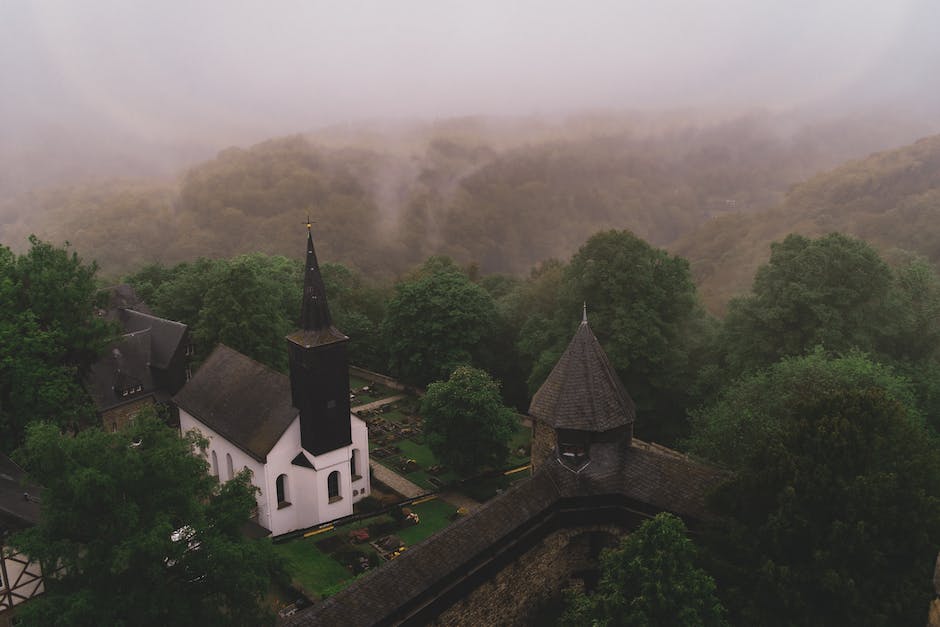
{"x": 502, "y": 193}
{"x": 891, "y": 199}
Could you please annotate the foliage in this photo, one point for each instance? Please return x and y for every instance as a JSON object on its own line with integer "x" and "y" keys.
{"x": 832, "y": 291}
{"x": 48, "y": 339}
{"x": 833, "y": 518}
{"x": 437, "y": 321}
{"x": 467, "y": 426}
{"x": 650, "y": 579}
{"x": 766, "y": 404}
{"x": 111, "y": 503}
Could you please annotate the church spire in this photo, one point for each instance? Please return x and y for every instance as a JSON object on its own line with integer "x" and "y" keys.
{"x": 314, "y": 312}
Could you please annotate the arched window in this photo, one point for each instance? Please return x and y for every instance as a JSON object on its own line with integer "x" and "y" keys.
{"x": 228, "y": 466}
{"x": 354, "y": 464}
{"x": 283, "y": 495}
{"x": 215, "y": 464}
{"x": 332, "y": 486}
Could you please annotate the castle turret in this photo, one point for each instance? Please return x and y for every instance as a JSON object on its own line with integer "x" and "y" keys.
{"x": 319, "y": 367}
{"x": 581, "y": 402}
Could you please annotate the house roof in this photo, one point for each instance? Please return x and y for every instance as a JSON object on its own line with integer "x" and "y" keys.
{"x": 644, "y": 478}
{"x": 113, "y": 379}
{"x": 16, "y": 510}
{"x": 122, "y": 297}
{"x": 246, "y": 402}
{"x": 583, "y": 391}
{"x": 166, "y": 334}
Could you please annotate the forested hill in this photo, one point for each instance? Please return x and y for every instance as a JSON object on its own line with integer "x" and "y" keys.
{"x": 503, "y": 196}
{"x": 891, "y": 199}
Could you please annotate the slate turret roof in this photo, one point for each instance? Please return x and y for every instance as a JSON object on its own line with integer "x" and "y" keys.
{"x": 583, "y": 391}
{"x": 242, "y": 400}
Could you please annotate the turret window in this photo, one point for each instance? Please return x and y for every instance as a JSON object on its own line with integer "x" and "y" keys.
{"x": 573, "y": 448}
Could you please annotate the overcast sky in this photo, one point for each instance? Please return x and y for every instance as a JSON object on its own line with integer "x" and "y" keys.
{"x": 161, "y": 70}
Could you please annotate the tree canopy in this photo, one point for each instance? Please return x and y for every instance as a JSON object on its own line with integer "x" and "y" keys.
{"x": 766, "y": 403}
{"x": 651, "y": 579}
{"x": 832, "y": 291}
{"x": 834, "y": 516}
{"x": 136, "y": 532}
{"x": 437, "y": 320}
{"x": 466, "y": 424}
{"x": 49, "y": 337}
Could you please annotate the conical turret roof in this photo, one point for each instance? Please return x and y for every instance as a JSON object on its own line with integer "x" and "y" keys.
{"x": 583, "y": 392}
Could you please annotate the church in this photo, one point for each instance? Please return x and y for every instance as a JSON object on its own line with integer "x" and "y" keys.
{"x": 308, "y": 454}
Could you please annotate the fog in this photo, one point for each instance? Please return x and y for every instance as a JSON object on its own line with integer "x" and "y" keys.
{"x": 178, "y": 80}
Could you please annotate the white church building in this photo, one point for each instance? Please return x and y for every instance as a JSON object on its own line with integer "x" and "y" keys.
{"x": 308, "y": 454}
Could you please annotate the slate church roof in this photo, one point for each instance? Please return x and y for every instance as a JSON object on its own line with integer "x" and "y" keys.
{"x": 242, "y": 400}
{"x": 583, "y": 392}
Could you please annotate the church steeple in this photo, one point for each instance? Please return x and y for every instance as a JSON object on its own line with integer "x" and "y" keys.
{"x": 319, "y": 369}
{"x": 315, "y": 311}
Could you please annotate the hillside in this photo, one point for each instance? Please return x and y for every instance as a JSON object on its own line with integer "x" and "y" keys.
{"x": 891, "y": 199}
{"x": 504, "y": 194}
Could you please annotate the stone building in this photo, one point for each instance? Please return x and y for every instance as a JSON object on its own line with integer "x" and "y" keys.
{"x": 592, "y": 482}
{"x": 308, "y": 454}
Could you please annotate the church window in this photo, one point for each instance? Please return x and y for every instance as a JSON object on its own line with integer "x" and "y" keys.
{"x": 189, "y": 373}
{"x": 283, "y": 495}
{"x": 354, "y": 464}
{"x": 229, "y": 466}
{"x": 215, "y": 464}
{"x": 332, "y": 486}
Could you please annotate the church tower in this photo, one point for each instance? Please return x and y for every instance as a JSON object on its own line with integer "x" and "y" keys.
{"x": 319, "y": 367}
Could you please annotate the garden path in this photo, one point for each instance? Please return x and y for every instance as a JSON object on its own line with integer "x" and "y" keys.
{"x": 378, "y": 403}
{"x": 395, "y": 481}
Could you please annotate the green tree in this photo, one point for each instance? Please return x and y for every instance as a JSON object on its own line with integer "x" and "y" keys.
{"x": 48, "y": 338}
{"x": 833, "y": 291}
{"x": 466, "y": 423}
{"x": 766, "y": 403}
{"x": 650, "y": 579}
{"x": 436, "y": 321}
{"x": 247, "y": 306}
{"x": 358, "y": 309}
{"x": 136, "y": 532}
{"x": 834, "y": 518}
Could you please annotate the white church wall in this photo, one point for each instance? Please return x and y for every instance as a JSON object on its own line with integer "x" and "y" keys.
{"x": 240, "y": 459}
{"x": 361, "y": 487}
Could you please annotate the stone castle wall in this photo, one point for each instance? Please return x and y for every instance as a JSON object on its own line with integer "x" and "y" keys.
{"x": 517, "y": 592}
{"x": 543, "y": 443}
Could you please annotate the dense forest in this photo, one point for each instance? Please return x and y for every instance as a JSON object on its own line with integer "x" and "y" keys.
{"x": 504, "y": 195}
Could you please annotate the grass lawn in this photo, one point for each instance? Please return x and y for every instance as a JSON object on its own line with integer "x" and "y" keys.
{"x": 434, "y": 516}
{"x": 312, "y": 569}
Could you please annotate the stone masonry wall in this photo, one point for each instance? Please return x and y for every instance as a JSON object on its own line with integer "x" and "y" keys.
{"x": 116, "y": 418}
{"x": 543, "y": 443}
{"x": 514, "y": 594}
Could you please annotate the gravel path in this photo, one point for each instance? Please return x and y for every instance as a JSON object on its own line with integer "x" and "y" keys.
{"x": 378, "y": 403}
